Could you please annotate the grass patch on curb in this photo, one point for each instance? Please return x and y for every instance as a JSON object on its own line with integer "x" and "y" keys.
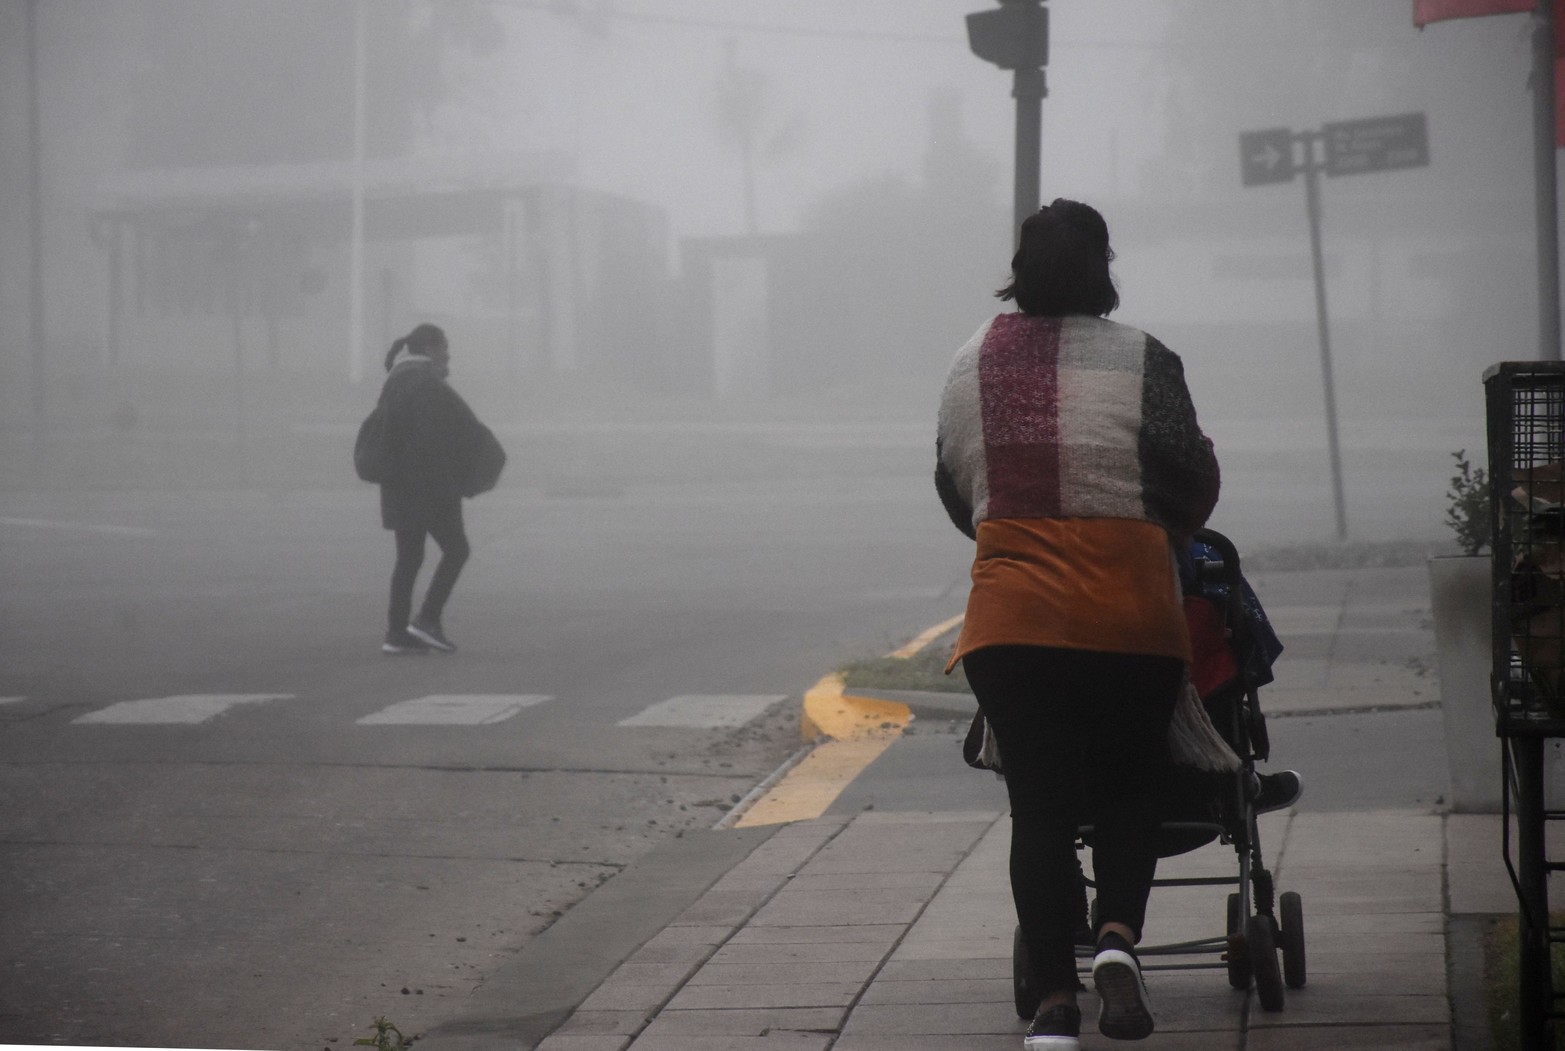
{"x": 924, "y": 670}
{"x": 1501, "y": 988}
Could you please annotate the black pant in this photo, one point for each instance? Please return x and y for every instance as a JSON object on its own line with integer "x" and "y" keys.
{"x": 451, "y": 535}
{"x": 1083, "y": 737}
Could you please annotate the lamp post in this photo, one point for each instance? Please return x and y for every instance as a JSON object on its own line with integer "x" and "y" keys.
{"x": 1015, "y": 36}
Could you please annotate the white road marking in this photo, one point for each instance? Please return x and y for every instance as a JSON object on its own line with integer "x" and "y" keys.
{"x": 704, "y": 711}
{"x": 181, "y": 708}
{"x": 80, "y": 527}
{"x": 11, "y": 700}
{"x": 461, "y": 709}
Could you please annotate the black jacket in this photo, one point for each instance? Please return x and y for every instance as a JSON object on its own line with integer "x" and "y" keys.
{"x": 432, "y": 437}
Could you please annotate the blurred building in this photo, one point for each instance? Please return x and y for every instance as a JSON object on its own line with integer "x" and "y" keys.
{"x": 533, "y": 276}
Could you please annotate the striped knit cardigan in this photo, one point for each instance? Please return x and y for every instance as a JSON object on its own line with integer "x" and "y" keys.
{"x": 1078, "y": 417}
{"x": 1071, "y": 417}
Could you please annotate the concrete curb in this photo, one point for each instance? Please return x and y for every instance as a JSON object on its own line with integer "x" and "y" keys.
{"x": 925, "y": 704}
{"x": 530, "y": 997}
{"x": 1464, "y": 941}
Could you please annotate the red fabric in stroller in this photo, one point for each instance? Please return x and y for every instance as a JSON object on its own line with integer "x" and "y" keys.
{"x": 1212, "y": 660}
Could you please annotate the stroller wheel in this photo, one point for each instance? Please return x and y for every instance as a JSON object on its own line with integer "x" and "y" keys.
{"x": 1263, "y": 959}
{"x": 1291, "y": 908}
{"x": 1238, "y": 957}
{"x": 1023, "y": 987}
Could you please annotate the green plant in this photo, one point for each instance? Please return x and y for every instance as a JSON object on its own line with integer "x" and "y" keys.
{"x": 1468, "y": 511}
{"x": 1501, "y": 983}
{"x": 387, "y": 1038}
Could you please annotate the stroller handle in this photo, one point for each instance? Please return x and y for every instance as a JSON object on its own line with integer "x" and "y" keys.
{"x": 1227, "y": 569}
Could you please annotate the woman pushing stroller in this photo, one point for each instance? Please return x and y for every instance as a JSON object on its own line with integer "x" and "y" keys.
{"x": 1068, "y": 449}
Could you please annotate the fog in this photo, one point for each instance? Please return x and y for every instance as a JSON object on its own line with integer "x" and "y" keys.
{"x": 673, "y": 240}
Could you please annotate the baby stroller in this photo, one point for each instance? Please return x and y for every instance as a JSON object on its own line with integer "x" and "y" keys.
{"x": 1233, "y": 650}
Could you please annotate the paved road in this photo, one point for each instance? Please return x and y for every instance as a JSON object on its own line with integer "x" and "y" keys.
{"x": 230, "y": 821}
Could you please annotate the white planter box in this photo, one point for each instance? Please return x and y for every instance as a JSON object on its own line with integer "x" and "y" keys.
{"x": 1460, "y": 595}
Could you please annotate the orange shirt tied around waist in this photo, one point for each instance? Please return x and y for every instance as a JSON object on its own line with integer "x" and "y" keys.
{"x": 1105, "y": 584}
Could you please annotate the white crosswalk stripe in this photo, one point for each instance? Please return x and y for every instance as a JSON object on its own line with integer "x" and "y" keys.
{"x": 462, "y": 709}
{"x": 84, "y": 527}
{"x": 182, "y": 708}
{"x": 704, "y": 711}
{"x": 687, "y": 711}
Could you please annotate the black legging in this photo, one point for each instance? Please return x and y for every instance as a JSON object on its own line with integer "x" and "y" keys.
{"x": 451, "y": 535}
{"x": 1083, "y": 740}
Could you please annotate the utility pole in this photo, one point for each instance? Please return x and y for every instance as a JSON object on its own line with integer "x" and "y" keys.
{"x": 1015, "y": 36}
{"x": 1544, "y": 145}
{"x": 356, "y": 234}
{"x": 35, "y": 303}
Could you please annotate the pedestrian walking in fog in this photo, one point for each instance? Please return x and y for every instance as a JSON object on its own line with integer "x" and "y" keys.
{"x": 429, "y": 452}
{"x": 1068, "y": 448}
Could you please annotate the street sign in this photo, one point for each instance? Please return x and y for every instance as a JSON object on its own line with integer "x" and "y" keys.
{"x": 1378, "y": 144}
{"x": 1352, "y": 147}
{"x": 1266, "y": 156}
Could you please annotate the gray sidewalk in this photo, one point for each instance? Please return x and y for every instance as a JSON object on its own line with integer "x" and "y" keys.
{"x": 894, "y": 931}
{"x": 871, "y": 929}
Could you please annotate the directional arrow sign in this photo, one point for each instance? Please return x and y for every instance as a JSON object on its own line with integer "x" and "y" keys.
{"x": 1376, "y": 145}
{"x": 1266, "y": 156}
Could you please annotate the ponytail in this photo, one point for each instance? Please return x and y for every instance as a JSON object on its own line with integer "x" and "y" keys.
{"x": 422, "y": 340}
{"x": 396, "y": 348}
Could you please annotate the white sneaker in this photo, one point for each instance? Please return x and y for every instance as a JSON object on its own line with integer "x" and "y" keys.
{"x": 430, "y": 634}
{"x": 1126, "y": 1014}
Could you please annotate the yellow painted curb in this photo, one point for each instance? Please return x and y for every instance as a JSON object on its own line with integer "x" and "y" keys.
{"x": 857, "y": 730}
{"x": 829, "y": 712}
{"x": 853, "y": 731}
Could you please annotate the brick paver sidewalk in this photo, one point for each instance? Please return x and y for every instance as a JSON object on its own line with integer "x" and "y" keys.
{"x": 893, "y": 930}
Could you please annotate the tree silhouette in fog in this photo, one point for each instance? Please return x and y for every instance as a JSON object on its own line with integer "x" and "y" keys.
{"x": 745, "y": 115}
{"x": 900, "y": 273}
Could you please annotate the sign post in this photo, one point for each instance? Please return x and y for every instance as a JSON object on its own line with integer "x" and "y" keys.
{"x": 1323, "y": 333}
{"x": 1353, "y": 147}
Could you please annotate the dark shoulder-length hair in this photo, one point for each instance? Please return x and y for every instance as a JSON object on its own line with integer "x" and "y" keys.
{"x": 1062, "y": 264}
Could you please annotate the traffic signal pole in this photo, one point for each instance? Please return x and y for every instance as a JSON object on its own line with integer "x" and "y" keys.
{"x": 1029, "y": 90}
{"x": 1015, "y": 36}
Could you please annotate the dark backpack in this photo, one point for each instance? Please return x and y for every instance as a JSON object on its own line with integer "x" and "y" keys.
{"x": 482, "y": 462}
{"x": 372, "y": 458}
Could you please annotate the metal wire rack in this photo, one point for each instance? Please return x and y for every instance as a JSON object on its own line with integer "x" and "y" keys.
{"x": 1526, "y": 422}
